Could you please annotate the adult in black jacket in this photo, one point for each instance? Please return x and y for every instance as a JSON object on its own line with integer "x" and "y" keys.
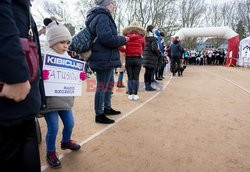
{"x": 20, "y": 100}
{"x": 105, "y": 56}
{"x": 176, "y": 54}
{"x": 150, "y": 57}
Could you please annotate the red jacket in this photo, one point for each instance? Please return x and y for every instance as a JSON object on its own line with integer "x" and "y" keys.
{"x": 135, "y": 45}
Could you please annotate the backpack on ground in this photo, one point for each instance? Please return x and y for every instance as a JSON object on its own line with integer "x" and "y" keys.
{"x": 82, "y": 43}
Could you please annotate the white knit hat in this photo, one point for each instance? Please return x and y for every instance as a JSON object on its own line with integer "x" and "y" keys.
{"x": 56, "y": 32}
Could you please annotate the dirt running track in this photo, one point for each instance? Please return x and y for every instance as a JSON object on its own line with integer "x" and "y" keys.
{"x": 199, "y": 123}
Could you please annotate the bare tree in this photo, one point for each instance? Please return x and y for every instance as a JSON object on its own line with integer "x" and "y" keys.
{"x": 168, "y": 15}
{"x": 214, "y": 15}
{"x": 170, "y": 25}
{"x": 229, "y": 14}
{"x": 244, "y": 14}
{"x": 82, "y": 6}
{"x": 191, "y": 13}
{"x": 156, "y": 12}
{"x": 153, "y": 12}
{"x": 38, "y": 15}
{"x": 60, "y": 13}
{"x": 56, "y": 10}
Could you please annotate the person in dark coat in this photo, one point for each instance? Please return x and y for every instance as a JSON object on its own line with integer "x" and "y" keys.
{"x": 20, "y": 100}
{"x": 176, "y": 53}
{"x": 150, "y": 57}
{"x": 105, "y": 56}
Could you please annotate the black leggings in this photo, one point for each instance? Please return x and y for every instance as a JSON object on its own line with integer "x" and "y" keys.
{"x": 19, "y": 147}
{"x": 133, "y": 67}
{"x": 148, "y": 75}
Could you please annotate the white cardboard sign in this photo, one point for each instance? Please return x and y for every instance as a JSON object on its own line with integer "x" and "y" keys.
{"x": 64, "y": 75}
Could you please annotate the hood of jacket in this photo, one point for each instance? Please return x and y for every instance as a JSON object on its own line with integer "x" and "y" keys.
{"x": 134, "y": 36}
{"x": 175, "y": 42}
{"x": 157, "y": 33}
{"x": 94, "y": 12}
{"x": 134, "y": 29}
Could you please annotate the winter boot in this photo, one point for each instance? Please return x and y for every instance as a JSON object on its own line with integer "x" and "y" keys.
{"x": 103, "y": 119}
{"x": 53, "y": 160}
{"x": 70, "y": 145}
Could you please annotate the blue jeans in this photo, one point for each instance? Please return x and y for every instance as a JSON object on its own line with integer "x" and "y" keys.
{"x": 120, "y": 77}
{"x": 104, "y": 87}
{"x": 52, "y": 124}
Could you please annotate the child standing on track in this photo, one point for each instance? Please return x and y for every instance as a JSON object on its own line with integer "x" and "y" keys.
{"x": 58, "y": 38}
{"x": 133, "y": 51}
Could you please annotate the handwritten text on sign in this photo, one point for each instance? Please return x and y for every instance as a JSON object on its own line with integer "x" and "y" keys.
{"x": 64, "y": 76}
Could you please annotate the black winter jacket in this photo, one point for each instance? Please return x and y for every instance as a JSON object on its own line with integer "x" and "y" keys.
{"x": 151, "y": 52}
{"x": 14, "y": 23}
{"x": 105, "y": 53}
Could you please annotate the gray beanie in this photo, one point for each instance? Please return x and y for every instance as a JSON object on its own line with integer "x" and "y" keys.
{"x": 56, "y": 32}
{"x": 103, "y": 2}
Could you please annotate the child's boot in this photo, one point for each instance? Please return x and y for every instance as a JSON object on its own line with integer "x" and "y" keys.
{"x": 70, "y": 145}
{"x": 53, "y": 160}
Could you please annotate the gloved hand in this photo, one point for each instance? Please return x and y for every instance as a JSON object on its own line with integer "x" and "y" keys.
{"x": 83, "y": 76}
{"x": 45, "y": 74}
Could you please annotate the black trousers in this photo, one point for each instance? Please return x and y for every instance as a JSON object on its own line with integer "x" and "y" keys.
{"x": 161, "y": 70}
{"x": 149, "y": 72}
{"x": 19, "y": 147}
{"x": 133, "y": 67}
{"x": 175, "y": 65}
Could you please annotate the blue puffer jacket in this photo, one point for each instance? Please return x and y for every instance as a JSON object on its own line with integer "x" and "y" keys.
{"x": 105, "y": 53}
{"x": 159, "y": 40}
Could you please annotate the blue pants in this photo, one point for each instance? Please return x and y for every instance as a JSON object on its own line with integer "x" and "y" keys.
{"x": 120, "y": 77}
{"x": 104, "y": 87}
{"x": 52, "y": 124}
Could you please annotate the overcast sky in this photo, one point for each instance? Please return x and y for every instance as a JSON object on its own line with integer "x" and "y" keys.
{"x": 208, "y": 1}
{"x": 37, "y": 4}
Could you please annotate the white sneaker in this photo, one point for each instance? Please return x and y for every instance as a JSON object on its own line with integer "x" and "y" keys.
{"x": 130, "y": 97}
{"x": 136, "y": 97}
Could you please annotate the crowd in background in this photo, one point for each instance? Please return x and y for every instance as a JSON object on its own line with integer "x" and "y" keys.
{"x": 205, "y": 57}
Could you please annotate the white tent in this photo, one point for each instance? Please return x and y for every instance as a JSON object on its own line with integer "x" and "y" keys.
{"x": 244, "y": 53}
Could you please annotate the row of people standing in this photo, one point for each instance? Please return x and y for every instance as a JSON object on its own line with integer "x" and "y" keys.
{"x": 143, "y": 49}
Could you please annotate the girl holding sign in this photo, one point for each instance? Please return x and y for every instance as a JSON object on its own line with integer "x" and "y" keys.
{"x": 58, "y": 38}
